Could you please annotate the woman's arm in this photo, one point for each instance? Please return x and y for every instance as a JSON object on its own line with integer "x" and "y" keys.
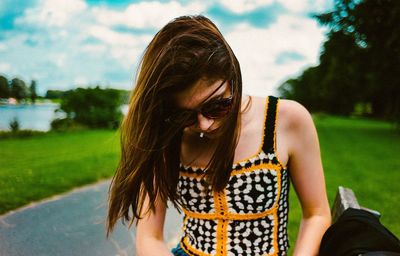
{"x": 308, "y": 180}
{"x": 150, "y": 232}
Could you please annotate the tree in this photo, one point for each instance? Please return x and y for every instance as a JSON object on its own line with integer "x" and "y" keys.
{"x": 94, "y": 107}
{"x": 19, "y": 89}
{"x": 333, "y": 85}
{"x": 32, "y": 90}
{"x": 374, "y": 27}
{"x": 341, "y": 81}
{"x": 54, "y": 94}
{"x": 4, "y": 87}
{"x": 359, "y": 61}
{"x": 304, "y": 89}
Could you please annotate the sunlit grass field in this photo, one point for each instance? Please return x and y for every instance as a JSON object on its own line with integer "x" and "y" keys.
{"x": 41, "y": 166}
{"x": 357, "y": 153}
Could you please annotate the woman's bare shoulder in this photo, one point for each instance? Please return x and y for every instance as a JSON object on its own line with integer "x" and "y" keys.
{"x": 295, "y": 125}
{"x": 287, "y": 108}
{"x": 293, "y": 114}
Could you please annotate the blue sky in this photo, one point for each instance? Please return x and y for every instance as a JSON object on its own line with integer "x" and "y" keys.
{"x": 63, "y": 44}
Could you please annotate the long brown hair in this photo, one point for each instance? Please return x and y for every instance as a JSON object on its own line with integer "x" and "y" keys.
{"x": 187, "y": 49}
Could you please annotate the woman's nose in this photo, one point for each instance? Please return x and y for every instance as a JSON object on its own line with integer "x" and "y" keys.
{"x": 203, "y": 122}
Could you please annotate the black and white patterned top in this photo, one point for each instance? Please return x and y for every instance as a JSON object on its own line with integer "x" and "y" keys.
{"x": 249, "y": 217}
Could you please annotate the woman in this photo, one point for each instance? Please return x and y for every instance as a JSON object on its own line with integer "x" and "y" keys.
{"x": 191, "y": 138}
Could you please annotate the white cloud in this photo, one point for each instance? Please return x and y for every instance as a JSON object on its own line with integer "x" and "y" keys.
{"x": 123, "y": 47}
{"x": 94, "y": 49}
{"x": 304, "y": 6}
{"x": 147, "y": 14}
{"x": 81, "y": 80}
{"x": 60, "y": 60}
{"x": 294, "y": 5}
{"x": 62, "y": 45}
{"x": 39, "y": 75}
{"x": 241, "y": 6}
{"x": 63, "y": 53}
{"x": 258, "y": 49}
{"x": 3, "y": 46}
{"x": 109, "y": 36}
{"x": 320, "y": 5}
{"x": 127, "y": 48}
{"x": 5, "y": 67}
{"x": 50, "y": 13}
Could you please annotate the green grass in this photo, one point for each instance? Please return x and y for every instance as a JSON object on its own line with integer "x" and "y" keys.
{"x": 357, "y": 153}
{"x": 41, "y": 166}
{"x": 362, "y": 155}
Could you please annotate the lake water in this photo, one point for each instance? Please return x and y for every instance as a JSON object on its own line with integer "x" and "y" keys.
{"x": 33, "y": 117}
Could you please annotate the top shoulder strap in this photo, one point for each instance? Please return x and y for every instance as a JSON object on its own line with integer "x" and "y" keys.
{"x": 270, "y": 125}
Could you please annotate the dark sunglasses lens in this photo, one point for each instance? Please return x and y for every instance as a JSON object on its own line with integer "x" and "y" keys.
{"x": 217, "y": 109}
{"x": 183, "y": 118}
{"x": 190, "y": 120}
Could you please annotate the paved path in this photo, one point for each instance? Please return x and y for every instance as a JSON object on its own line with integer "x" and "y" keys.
{"x": 71, "y": 224}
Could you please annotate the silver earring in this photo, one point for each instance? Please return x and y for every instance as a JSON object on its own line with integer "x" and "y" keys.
{"x": 201, "y": 134}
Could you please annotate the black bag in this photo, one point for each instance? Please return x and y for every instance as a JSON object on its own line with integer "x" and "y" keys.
{"x": 358, "y": 232}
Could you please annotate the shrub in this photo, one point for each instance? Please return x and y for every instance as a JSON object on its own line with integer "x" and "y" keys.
{"x": 92, "y": 107}
{"x": 20, "y": 134}
{"x": 63, "y": 124}
{"x": 14, "y": 125}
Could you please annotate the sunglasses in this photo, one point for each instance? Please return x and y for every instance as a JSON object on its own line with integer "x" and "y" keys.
{"x": 212, "y": 109}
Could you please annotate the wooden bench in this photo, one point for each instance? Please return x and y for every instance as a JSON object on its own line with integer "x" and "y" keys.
{"x": 345, "y": 198}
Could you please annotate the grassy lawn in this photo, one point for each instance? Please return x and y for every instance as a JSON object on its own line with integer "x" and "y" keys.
{"x": 362, "y": 155}
{"x": 41, "y": 166}
{"x": 359, "y": 154}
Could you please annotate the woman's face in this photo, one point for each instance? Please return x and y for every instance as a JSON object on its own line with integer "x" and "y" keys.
{"x": 201, "y": 93}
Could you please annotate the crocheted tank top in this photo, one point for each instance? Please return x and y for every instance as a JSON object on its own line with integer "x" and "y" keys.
{"x": 249, "y": 217}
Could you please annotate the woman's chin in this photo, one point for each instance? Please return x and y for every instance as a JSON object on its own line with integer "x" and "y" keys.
{"x": 210, "y": 134}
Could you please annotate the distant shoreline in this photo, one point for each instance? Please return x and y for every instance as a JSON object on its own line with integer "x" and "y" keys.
{"x": 30, "y": 104}
{"x": 12, "y": 101}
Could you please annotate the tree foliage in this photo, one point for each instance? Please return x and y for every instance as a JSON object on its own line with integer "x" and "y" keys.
{"x": 54, "y": 94}
{"x": 19, "y": 89}
{"x": 32, "y": 90}
{"x": 4, "y": 87}
{"x": 374, "y": 27}
{"x": 359, "y": 62}
{"x": 93, "y": 107}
